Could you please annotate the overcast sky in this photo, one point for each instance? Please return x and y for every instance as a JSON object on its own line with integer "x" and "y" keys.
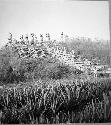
{"x": 75, "y": 18}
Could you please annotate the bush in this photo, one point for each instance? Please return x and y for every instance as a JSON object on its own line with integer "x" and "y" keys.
{"x": 56, "y": 71}
{"x": 42, "y": 69}
{"x": 6, "y": 71}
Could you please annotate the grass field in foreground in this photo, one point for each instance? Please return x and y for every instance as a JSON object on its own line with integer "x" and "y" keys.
{"x": 57, "y": 101}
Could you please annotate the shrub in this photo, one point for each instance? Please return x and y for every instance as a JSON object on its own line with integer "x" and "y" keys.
{"x": 56, "y": 71}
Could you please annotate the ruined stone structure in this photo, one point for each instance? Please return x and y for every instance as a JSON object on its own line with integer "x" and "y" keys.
{"x": 41, "y": 49}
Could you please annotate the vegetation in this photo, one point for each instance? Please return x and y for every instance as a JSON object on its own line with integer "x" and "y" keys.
{"x": 43, "y": 90}
{"x": 96, "y": 51}
{"x": 27, "y": 69}
{"x": 57, "y": 101}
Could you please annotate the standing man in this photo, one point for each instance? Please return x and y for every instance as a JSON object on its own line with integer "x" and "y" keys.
{"x": 22, "y": 40}
{"x": 48, "y": 36}
{"x": 32, "y": 40}
{"x": 62, "y": 34}
{"x": 26, "y": 40}
{"x": 41, "y": 36}
{"x": 10, "y": 38}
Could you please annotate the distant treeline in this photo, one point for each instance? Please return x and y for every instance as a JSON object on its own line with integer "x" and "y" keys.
{"x": 98, "y": 51}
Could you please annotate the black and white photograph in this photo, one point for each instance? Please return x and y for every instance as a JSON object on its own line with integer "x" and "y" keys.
{"x": 55, "y": 61}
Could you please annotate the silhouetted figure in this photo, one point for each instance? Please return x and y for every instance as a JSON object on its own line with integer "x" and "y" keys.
{"x": 10, "y": 38}
{"x": 48, "y": 36}
{"x": 62, "y": 35}
{"x": 26, "y": 40}
{"x": 32, "y": 40}
{"x": 41, "y": 36}
{"x": 22, "y": 40}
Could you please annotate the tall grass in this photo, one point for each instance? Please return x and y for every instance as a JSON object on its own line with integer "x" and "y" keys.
{"x": 57, "y": 101}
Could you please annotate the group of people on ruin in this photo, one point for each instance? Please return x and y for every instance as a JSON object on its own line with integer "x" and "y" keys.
{"x": 25, "y": 40}
{"x": 60, "y": 53}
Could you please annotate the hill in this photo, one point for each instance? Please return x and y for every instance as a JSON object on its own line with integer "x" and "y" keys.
{"x": 51, "y": 82}
{"x": 27, "y": 60}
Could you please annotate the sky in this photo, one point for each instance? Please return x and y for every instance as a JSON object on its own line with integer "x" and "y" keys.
{"x": 75, "y": 18}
